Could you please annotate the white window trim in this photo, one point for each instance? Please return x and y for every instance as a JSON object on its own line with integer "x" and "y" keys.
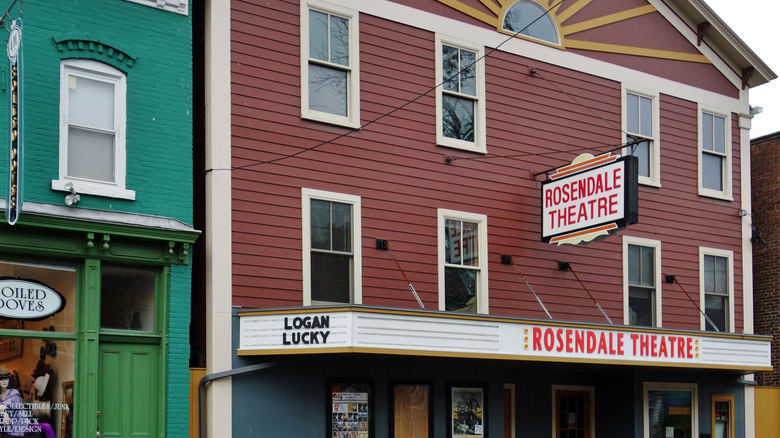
{"x": 729, "y": 255}
{"x": 656, "y": 245}
{"x": 357, "y": 243}
{"x": 102, "y": 72}
{"x": 726, "y": 193}
{"x": 655, "y": 152}
{"x": 482, "y": 282}
{"x": 352, "y": 120}
{"x": 480, "y": 115}
{"x": 663, "y": 386}
{"x": 592, "y": 395}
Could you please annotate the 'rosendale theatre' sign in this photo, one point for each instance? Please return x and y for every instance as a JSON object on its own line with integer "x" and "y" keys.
{"x": 589, "y": 198}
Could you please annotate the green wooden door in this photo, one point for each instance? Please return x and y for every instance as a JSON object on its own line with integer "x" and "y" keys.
{"x": 128, "y": 390}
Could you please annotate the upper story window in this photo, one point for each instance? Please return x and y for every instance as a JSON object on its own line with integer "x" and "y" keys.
{"x": 714, "y": 154}
{"x": 641, "y": 281}
{"x": 463, "y": 285}
{"x": 330, "y": 78}
{"x": 641, "y": 122}
{"x": 331, "y": 247}
{"x": 92, "y": 129}
{"x": 531, "y": 19}
{"x": 717, "y": 288}
{"x": 460, "y": 100}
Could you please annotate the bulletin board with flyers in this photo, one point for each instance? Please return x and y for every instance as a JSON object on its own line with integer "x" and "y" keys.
{"x": 350, "y": 410}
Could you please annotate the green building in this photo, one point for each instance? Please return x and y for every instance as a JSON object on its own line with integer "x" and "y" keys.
{"x": 96, "y": 210}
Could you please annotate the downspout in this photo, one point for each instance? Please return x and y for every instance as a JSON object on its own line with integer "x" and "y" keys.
{"x": 222, "y": 375}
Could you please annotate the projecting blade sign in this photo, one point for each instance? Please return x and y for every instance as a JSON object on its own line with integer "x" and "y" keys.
{"x": 590, "y": 198}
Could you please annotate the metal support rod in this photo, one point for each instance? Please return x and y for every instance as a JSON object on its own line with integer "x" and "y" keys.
{"x": 222, "y": 375}
{"x": 695, "y": 304}
{"x": 532, "y": 291}
{"x": 622, "y": 146}
{"x": 5, "y": 15}
{"x": 589, "y": 294}
{"x": 387, "y": 246}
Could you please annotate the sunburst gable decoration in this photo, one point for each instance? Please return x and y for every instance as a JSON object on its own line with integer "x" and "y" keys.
{"x": 495, "y": 12}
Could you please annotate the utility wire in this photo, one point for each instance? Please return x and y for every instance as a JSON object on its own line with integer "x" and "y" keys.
{"x": 589, "y": 294}
{"x": 674, "y": 278}
{"x": 409, "y": 102}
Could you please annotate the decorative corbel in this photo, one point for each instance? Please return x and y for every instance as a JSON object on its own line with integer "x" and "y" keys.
{"x": 106, "y": 242}
{"x": 90, "y": 240}
{"x": 747, "y": 72}
{"x": 701, "y": 30}
{"x": 184, "y": 253}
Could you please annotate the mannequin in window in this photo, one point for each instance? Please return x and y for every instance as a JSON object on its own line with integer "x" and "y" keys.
{"x": 10, "y": 399}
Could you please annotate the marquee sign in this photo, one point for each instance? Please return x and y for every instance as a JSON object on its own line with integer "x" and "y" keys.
{"x": 590, "y": 198}
{"x": 388, "y": 331}
{"x": 27, "y": 299}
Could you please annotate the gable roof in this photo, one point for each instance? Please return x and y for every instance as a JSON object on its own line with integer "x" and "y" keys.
{"x": 720, "y": 38}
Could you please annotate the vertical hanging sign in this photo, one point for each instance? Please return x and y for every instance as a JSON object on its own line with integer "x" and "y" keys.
{"x": 14, "y": 200}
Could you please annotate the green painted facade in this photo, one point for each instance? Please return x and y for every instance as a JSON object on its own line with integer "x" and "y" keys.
{"x": 153, "y": 48}
{"x": 157, "y": 58}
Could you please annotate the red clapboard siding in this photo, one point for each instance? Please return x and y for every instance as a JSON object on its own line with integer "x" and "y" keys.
{"x": 535, "y": 123}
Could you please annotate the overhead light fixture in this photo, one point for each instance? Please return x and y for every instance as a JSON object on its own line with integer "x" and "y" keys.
{"x": 755, "y": 110}
{"x": 73, "y": 197}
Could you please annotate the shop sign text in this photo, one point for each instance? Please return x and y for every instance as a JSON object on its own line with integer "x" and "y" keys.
{"x": 304, "y": 330}
{"x": 573, "y": 341}
{"x": 589, "y": 198}
{"x": 26, "y": 299}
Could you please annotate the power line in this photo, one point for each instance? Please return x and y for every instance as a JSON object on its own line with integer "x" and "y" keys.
{"x": 409, "y": 102}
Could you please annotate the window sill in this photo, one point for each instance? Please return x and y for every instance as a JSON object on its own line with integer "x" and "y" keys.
{"x": 723, "y": 196}
{"x": 460, "y": 144}
{"x": 83, "y": 187}
{"x": 331, "y": 119}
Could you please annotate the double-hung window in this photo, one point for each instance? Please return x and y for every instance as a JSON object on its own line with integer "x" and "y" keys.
{"x": 642, "y": 280}
{"x": 641, "y": 123}
{"x": 717, "y": 280}
{"x": 463, "y": 285}
{"x": 460, "y": 96}
{"x": 714, "y": 154}
{"x": 92, "y": 129}
{"x": 330, "y": 78}
{"x": 331, "y": 248}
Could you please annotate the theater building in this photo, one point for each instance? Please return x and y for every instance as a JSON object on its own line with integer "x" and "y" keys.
{"x": 464, "y": 218}
{"x": 96, "y": 210}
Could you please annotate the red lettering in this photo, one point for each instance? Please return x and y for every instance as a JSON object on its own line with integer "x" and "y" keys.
{"x": 549, "y": 339}
{"x": 672, "y": 341}
{"x": 591, "y": 342}
{"x": 537, "y": 339}
{"x": 613, "y": 200}
{"x": 611, "y": 344}
{"x": 602, "y": 344}
{"x": 689, "y": 347}
{"x": 634, "y": 338}
{"x": 681, "y": 347}
{"x": 662, "y": 347}
{"x": 559, "y": 332}
{"x": 602, "y": 207}
{"x": 583, "y": 214}
{"x": 653, "y": 345}
{"x": 579, "y": 341}
{"x": 617, "y": 176}
{"x": 620, "y": 344}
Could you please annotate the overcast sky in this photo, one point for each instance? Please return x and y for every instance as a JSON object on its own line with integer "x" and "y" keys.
{"x": 756, "y": 23}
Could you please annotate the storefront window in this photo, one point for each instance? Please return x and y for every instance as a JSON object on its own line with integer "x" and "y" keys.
{"x": 37, "y": 371}
{"x": 127, "y": 298}
{"x": 670, "y": 411}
